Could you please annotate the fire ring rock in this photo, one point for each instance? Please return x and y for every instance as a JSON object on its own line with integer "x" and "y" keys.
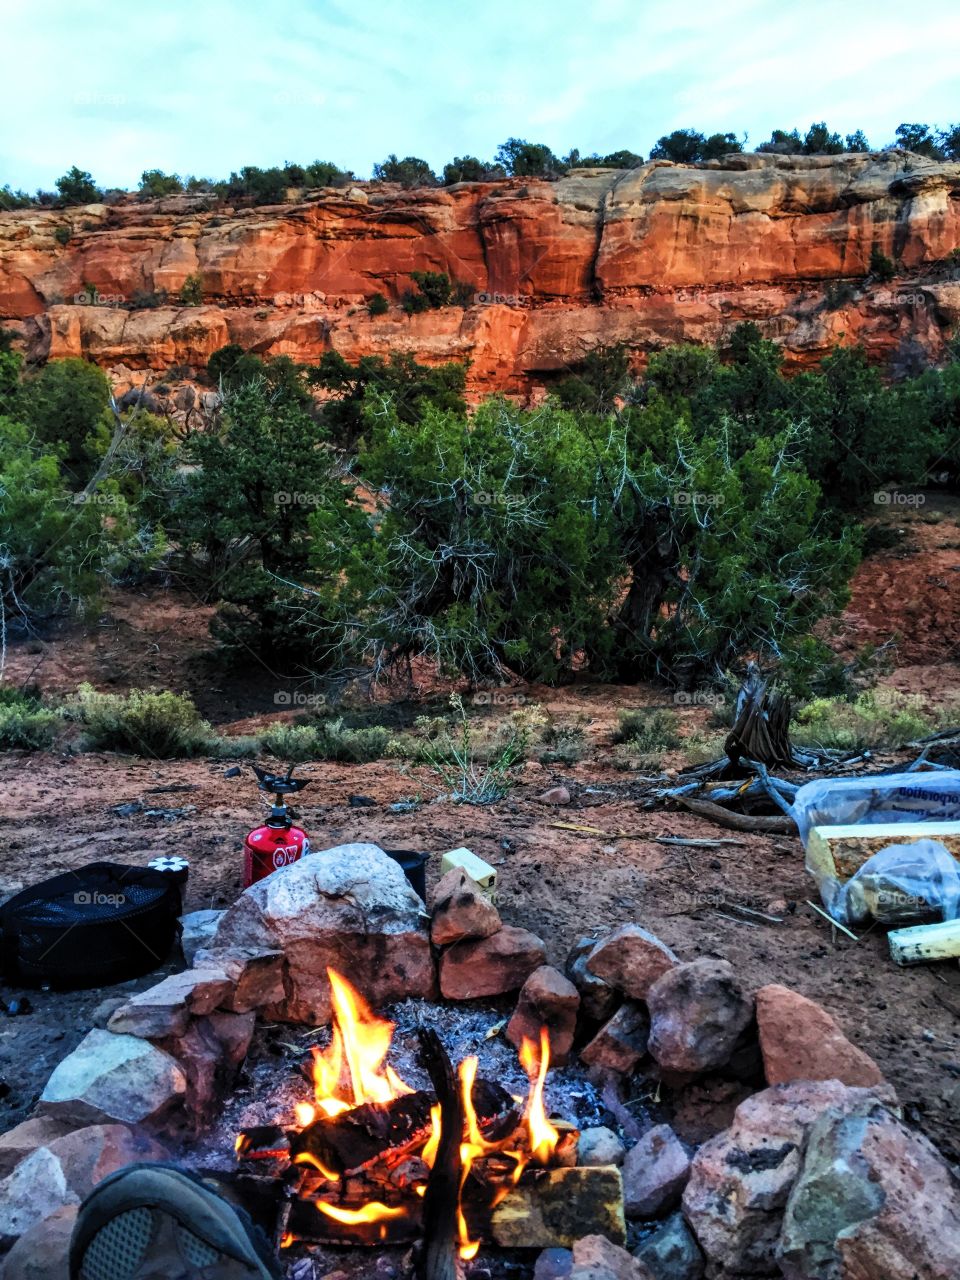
{"x": 631, "y": 960}
{"x": 698, "y": 1011}
{"x": 111, "y": 1077}
{"x": 349, "y": 908}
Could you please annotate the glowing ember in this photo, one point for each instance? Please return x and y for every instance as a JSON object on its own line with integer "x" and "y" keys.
{"x": 352, "y": 1070}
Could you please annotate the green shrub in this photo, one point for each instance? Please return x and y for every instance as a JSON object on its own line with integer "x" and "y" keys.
{"x": 25, "y": 723}
{"x": 155, "y": 183}
{"x": 191, "y": 291}
{"x": 327, "y": 740}
{"x": 147, "y": 722}
{"x": 882, "y": 267}
{"x": 880, "y": 718}
{"x": 648, "y": 730}
{"x": 470, "y": 776}
{"x": 62, "y": 235}
{"x": 564, "y": 743}
{"x": 378, "y": 305}
{"x": 76, "y": 186}
{"x": 411, "y": 171}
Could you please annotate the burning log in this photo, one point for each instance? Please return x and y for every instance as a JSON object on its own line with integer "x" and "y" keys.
{"x": 391, "y": 1132}
{"x": 441, "y": 1201}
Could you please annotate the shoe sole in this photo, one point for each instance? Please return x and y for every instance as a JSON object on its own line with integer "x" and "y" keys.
{"x": 184, "y": 1198}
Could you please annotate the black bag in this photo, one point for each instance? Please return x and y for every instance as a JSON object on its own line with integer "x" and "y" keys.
{"x": 100, "y": 924}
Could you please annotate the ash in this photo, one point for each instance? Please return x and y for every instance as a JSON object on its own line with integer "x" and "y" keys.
{"x": 275, "y": 1075}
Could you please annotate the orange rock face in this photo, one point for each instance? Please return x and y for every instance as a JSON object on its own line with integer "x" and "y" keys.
{"x": 647, "y": 256}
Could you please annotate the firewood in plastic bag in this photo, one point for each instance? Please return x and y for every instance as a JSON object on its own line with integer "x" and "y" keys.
{"x": 918, "y": 882}
{"x": 879, "y": 797}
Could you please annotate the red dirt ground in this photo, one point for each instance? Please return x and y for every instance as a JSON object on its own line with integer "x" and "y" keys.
{"x": 55, "y": 813}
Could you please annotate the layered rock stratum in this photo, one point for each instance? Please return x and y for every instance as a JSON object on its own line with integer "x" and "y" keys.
{"x": 647, "y": 256}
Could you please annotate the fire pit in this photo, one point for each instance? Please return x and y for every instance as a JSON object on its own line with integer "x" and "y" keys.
{"x": 361, "y": 1157}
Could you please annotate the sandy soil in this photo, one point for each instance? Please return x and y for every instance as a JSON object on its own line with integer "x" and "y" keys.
{"x": 56, "y": 813}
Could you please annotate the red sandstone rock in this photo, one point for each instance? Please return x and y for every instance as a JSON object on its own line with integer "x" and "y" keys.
{"x": 164, "y": 1010}
{"x": 547, "y": 1000}
{"x": 631, "y": 960}
{"x": 460, "y": 910}
{"x": 554, "y": 796}
{"x": 801, "y": 1041}
{"x": 490, "y": 966}
{"x": 596, "y": 1258}
{"x": 874, "y": 1199}
{"x": 42, "y": 1251}
{"x": 660, "y": 253}
{"x": 620, "y": 1045}
{"x": 698, "y": 1012}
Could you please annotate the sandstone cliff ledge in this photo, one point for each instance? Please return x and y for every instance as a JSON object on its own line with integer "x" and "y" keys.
{"x": 653, "y": 255}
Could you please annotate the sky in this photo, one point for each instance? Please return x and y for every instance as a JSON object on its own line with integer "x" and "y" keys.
{"x": 205, "y": 86}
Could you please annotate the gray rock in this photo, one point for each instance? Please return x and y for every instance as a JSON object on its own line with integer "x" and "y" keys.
{"x": 631, "y": 960}
{"x": 671, "y": 1253}
{"x": 105, "y": 1010}
{"x": 257, "y": 979}
{"x": 874, "y": 1198}
{"x": 600, "y": 1146}
{"x": 598, "y": 1000}
{"x": 654, "y": 1173}
{"x": 553, "y": 1264}
{"x": 740, "y": 1180}
{"x": 349, "y": 908}
{"x": 112, "y": 1077}
{"x": 65, "y": 1170}
{"x": 698, "y": 1012}
{"x": 198, "y": 926}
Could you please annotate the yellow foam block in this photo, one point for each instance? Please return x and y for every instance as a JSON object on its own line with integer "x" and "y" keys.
{"x": 466, "y": 860}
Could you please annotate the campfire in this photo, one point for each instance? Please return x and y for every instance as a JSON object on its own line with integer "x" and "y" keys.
{"x": 371, "y": 1160}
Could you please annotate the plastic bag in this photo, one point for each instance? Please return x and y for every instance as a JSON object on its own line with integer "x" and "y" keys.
{"x": 902, "y": 883}
{"x": 884, "y": 797}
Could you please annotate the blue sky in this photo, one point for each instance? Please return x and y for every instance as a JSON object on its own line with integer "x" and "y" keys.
{"x": 205, "y": 86}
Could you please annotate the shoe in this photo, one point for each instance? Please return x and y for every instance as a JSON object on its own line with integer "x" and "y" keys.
{"x": 159, "y": 1222}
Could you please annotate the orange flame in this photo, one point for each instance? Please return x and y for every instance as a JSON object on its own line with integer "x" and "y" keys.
{"x": 352, "y": 1070}
{"x": 373, "y": 1211}
{"x": 543, "y": 1136}
{"x": 429, "y": 1153}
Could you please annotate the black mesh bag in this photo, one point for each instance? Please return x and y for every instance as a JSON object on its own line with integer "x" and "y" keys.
{"x": 100, "y": 924}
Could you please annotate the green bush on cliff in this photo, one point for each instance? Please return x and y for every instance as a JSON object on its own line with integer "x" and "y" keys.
{"x": 76, "y": 186}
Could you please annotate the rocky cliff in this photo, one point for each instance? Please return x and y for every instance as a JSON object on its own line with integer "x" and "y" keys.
{"x": 647, "y": 256}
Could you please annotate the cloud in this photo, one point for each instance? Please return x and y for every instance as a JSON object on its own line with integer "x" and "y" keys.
{"x": 206, "y": 88}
